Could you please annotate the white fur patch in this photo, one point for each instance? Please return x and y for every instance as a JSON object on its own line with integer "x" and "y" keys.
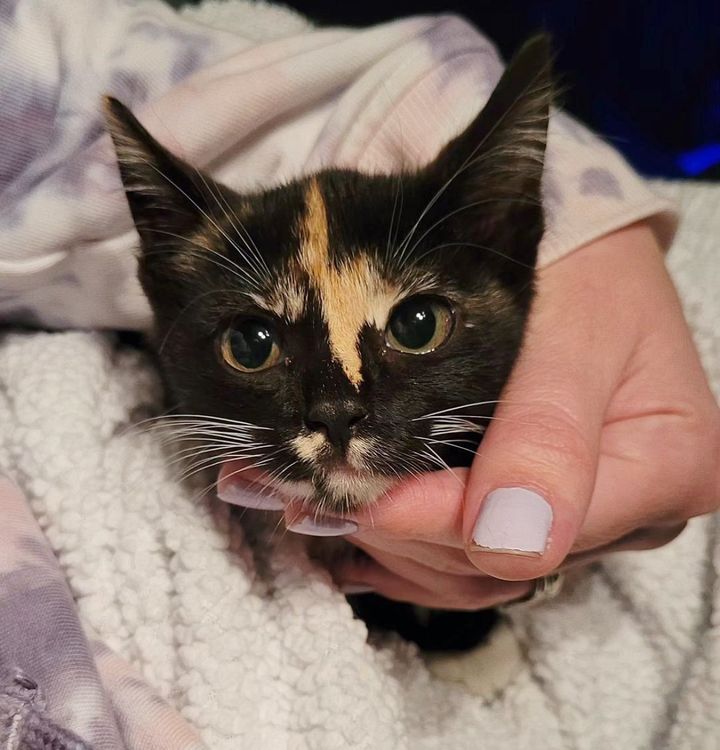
{"x": 357, "y": 489}
{"x": 309, "y": 446}
{"x": 486, "y": 670}
{"x": 359, "y": 451}
{"x": 351, "y": 491}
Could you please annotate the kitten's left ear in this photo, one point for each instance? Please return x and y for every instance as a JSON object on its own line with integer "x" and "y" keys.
{"x": 165, "y": 194}
{"x": 491, "y": 173}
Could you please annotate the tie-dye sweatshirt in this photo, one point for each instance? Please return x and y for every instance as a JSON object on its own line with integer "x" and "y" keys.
{"x": 252, "y": 109}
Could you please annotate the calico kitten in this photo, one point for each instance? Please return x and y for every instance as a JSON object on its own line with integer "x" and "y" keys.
{"x": 359, "y": 327}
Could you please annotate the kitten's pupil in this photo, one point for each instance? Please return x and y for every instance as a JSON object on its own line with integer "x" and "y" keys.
{"x": 419, "y": 325}
{"x": 413, "y": 325}
{"x": 250, "y": 345}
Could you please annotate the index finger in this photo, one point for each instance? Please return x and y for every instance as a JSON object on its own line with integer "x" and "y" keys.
{"x": 427, "y": 507}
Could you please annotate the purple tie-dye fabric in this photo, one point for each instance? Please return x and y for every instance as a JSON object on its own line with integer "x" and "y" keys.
{"x": 24, "y": 724}
{"x": 42, "y": 645}
{"x": 57, "y": 692}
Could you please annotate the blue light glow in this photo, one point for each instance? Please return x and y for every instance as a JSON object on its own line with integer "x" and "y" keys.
{"x": 695, "y": 162}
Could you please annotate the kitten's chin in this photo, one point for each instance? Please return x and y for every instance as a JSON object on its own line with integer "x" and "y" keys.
{"x": 338, "y": 491}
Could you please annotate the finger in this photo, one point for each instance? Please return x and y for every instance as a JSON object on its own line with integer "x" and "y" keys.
{"x": 655, "y": 470}
{"x": 426, "y": 508}
{"x": 432, "y": 556}
{"x": 412, "y": 570}
{"x": 450, "y": 593}
{"x": 531, "y": 483}
{"x": 661, "y": 442}
{"x": 644, "y": 488}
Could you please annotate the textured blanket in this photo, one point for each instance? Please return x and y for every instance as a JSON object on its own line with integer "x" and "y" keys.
{"x": 134, "y": 611}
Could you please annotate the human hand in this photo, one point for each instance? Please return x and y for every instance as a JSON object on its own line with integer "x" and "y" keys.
{"x": 607, "y": 423}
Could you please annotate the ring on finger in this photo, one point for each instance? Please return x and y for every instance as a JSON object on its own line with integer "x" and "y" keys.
{"x": 544, "y": 589}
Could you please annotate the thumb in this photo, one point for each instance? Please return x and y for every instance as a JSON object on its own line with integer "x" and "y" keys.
{"x": 531, "y": 482}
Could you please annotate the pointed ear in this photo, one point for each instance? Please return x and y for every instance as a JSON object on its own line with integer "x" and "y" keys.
{"x": 166, "y": 196}
{"x": 493, "y": 170}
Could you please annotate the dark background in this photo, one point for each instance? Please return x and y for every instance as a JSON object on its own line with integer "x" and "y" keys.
{"x": 643, "y": 73}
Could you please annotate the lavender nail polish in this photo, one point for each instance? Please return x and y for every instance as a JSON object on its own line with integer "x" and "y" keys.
{"x": 323, "y": 527}
{"x": 514, "y": 520}
{"x": 247, "y": 498}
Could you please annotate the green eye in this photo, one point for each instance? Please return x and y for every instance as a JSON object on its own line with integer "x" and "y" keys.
{"x": 250, "y": 346}
{"x": 419, "y": 325}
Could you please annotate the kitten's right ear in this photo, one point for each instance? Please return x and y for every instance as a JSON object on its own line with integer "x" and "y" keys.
{"x": 492, "y": 171}
{"x": 166, "y": 196}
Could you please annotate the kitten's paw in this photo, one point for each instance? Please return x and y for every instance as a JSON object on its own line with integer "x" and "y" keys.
{"x": 485, "y": 670}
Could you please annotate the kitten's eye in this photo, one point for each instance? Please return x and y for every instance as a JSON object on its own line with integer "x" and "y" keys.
{"x": 419, "y": 325}
{"x": 250, "y": 346}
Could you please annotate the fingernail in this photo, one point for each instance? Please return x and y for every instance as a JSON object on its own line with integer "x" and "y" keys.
{"x": 325, "y": 527}
{"x": 514, "y": 520}
{"x": 246, "y": 498}
{"x": 356, "y": 588}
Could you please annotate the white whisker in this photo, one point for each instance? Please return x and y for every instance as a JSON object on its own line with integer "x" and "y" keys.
{"x": 256, "y": 260}
{"x": 432, "y": 414}
{"x": 206, "y": 253}
{"x": 195, "y": 204}
{"x": 450, "y": 444}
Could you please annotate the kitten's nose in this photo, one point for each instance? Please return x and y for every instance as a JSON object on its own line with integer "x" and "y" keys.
{"x": 337, "y": 419}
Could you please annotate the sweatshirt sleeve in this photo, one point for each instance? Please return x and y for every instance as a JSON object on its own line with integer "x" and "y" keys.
{"x": 589, "y": 189}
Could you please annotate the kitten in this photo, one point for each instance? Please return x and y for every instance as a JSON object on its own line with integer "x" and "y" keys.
{"x": 359, "y": 327}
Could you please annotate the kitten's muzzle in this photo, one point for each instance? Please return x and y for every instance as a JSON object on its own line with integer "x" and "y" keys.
{"x": 338, "y": 420}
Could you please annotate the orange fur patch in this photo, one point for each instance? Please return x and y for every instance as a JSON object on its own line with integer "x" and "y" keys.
{"x": 351, "y": 294}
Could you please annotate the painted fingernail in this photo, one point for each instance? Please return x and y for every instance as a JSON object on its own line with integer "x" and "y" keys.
{"x": 514, "y": 520}
{"x": 247, "y": 498}
{"x": 356, "y": 588}
{"x": 324, "y": 527}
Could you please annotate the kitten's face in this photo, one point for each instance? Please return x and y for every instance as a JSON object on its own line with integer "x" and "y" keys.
{"x": 337, "y": 314}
